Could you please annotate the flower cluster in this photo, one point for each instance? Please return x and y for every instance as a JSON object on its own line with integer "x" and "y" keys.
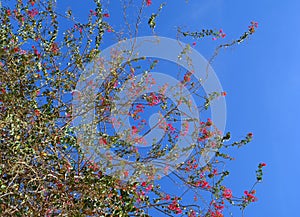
{"x": 253, "y": 26}
{"x": 174, "y": 206}
{"x": 249, "y": 196}
{"x": 219, "y": 34}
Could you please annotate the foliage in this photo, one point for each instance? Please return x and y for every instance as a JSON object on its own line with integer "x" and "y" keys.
{"x": 43, "y": 169}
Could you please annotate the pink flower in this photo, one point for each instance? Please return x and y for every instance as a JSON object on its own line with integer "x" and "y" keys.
{"x": 203, "y": 184}
{"x": 170, "y": 127}
{"x": 148, "y": 2}
{"x": 32, "y": 13}
{"x": 134, "y": 129}
{"x": 262, "y": 165}
{"x": 93, "y": 12}
{"x": 54, "y": 48}
{"x": 187, "y": 77}
{"x": 37, "y": 112}
{"x": 209, "y": 122}
{"x": 154, "y": 100}
{"x": 8, "y": 12}
{"x": 175, "y": 207}
{"x": 149, "y": 188}
{"x": 167, "y": 197}
{"x": 217, "y": 213}
{"x": 227, "y": 193}
{"x": 221, "y": 33}
{"x": 255, "y": 24}
{"x": 102, "y": 141}
{"x": 192, "y": 214}
{"x": 250, "y": 196}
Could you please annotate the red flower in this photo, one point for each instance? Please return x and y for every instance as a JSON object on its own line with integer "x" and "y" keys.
{"x": 167, "y": 197}
{"x": 227, "y": 193}
{"x": 149, "y": 188}
{"x": 37, "y": 112}
{"x": 16, "y": 49}
{"x": 154, "y": 100}
{"x": 54, "y": 48}
{"x": 32, "y": 13}
{"x": 216, "y": 214}
{"x": 102, "y": 141}
{"x": 223, "y": 93}
{"x": 249, "y": 196}
{"x": 106, "y": 15}
{"x": 262, "y": 165}
{"x": 192, "y": 214}
{"x": 255, "y": 24}
{"x": 170, "y": 127}
{"x": 209, "y": 122}
{"x": 175, "y": 206}
{"x": 148, "y": 2}
{"x": 187, "y": 77}
{"x": 203, "y": 184}
{"x": 221, "y": 33}
{"x": 134, "y": 130}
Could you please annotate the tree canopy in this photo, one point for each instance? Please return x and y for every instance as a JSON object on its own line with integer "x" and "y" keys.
{"x": 45, "y": 169}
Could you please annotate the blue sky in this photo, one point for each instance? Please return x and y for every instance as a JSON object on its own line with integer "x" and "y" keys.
{"x": 262, "y": 79}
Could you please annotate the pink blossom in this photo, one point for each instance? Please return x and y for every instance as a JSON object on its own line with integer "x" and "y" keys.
{"x": 102, "y": 141}
{"x": 227, "y": 193}
{"x": 149, "y": 188}
{"x": 32, "y": 13}
{"x": 148, "y": 2}
{"x": 167, "y": 197}
{"x": 134, "y": 129}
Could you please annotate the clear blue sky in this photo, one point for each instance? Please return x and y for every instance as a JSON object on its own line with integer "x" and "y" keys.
{"x": 262, "y": 79}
